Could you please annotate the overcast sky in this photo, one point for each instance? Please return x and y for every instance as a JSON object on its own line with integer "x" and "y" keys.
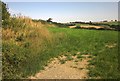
{"x": 66, "y": 11}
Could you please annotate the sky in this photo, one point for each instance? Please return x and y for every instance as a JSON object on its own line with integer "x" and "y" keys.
{"x": 66, "y": 11}
{"x": 61, "y": 0}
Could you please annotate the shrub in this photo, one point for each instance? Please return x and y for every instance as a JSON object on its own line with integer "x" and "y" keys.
{"x": 23, "y": 42}
{"x": 12, "y": 58}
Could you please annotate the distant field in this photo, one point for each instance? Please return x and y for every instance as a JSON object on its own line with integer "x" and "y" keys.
{"x": 85, "y": 26}
{"x": 110, "y": 23}
{"x": 98, "y": 25}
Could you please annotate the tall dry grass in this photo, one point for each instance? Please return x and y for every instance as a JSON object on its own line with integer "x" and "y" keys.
{"x": 24, "y": 27}
{"x": 23, "y": 42}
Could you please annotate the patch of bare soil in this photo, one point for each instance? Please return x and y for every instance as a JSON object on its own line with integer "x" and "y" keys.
{"x": 72, "y": 26}
{"x": 111, "y": 45}
{"x": 97, "y": 27}
{"x": 71, "y": 69}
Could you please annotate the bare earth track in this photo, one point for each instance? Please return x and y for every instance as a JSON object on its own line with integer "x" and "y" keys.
{"x": 71, "y": 69}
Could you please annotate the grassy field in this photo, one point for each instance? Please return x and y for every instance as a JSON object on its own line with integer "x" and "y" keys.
{"x": 84, "y": 25}
{"x": 28, "y": 45}
{"x": 110, "y": 23}
{"x": 101, "y": 44}
{"x": 27, "y": 48}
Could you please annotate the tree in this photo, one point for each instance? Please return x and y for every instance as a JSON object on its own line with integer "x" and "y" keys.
{"x": 49, "y": 20}
{"x": 5, "y": 13}
{"x": 90, "y": 22}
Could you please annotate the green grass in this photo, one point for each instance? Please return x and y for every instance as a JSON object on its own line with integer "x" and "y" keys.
{"x": 79, "y": 56}
{"x": 74, "y": 54}
{"x": 93, "y": 42}
{"x": 31, "y": 59}
{"x": 62, "y": 61}
{"x": 84, "y": 25}
{"x": 69, "y": 58}
{"x": 26, "y": 50}
{"x": 111, "y": 23}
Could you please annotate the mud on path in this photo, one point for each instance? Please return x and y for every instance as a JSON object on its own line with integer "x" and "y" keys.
{"x": 66, "y": 67}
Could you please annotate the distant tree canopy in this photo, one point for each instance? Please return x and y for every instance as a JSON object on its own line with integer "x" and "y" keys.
{"x": 49, "y": 20}
{"x": 5, "y": 13}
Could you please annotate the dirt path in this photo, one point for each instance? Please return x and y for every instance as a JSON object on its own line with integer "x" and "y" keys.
{"x": 66, "y": 68}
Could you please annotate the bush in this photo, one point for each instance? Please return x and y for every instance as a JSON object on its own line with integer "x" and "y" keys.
{"x": 12, "y": 58}
{"x": 77, "y": 27}
{"x": 23, "y": 42}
